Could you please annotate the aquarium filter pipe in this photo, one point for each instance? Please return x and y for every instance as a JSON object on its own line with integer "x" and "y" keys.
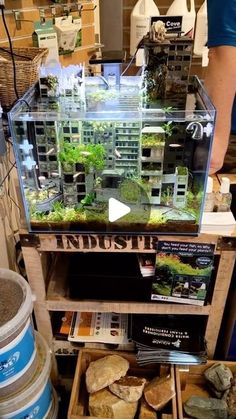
{"x": 196, "y": 129}
{"x": 3, "y": 147}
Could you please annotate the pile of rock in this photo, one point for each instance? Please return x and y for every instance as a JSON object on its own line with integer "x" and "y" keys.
{"x": 222, "y": 384}
{"x": 114, "y": 394}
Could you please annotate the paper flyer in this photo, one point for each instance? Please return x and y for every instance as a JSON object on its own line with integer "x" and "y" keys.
{"x": 99, "y": 327}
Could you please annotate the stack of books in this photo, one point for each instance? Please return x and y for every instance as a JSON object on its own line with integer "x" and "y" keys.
{"x": 168, "y": 339}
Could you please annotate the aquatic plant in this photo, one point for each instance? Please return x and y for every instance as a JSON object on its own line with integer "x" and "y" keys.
{"x": 33, "y": 197}
{"x": 60, "y": 214}
{"x": 167, "y": 195}
{"x": 51, "y": 82}
{"x": 88, "y": 199}
{"x": 168, "y": 128}
{"x": 92, "y": 156}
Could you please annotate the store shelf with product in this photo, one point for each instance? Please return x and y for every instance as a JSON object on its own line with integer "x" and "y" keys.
{"x": 50, "y": 283}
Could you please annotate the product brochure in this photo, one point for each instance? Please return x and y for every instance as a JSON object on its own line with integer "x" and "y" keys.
{"x": 99, "y": 327}
{"x": 183, "y": 272}
{"x": 168, "y": 338}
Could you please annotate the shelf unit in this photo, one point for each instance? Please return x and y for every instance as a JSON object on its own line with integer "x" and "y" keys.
{"x": 43, "y": 251}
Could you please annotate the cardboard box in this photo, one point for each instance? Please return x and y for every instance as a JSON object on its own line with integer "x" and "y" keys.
{"x": 78, "y": 407}
{"x": 190, "y": 381}
{"x": 45, "y": 36}
{"x": 67, "y": 34}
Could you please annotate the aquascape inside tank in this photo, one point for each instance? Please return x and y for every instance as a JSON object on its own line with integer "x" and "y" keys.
{"x": 90, "y": 149}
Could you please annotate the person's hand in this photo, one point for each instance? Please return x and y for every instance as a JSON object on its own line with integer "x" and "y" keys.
{"x": 217, "y": 156}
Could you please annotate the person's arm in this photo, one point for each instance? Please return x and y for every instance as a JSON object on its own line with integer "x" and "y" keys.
{"x": 220, "y": 83}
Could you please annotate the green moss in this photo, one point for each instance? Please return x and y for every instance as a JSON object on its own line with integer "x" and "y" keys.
{"x": 130, "y": 192}
{"x": 177, "y": 266}
{"x": 152, "y": 140}
{"x": 102, "y": 95}
{"x": 182, "y": 170}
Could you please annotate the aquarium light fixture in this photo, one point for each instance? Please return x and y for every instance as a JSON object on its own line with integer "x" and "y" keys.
{"x": 196, "y": 129}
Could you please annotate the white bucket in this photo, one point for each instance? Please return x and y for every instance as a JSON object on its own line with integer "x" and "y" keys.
{"x": 36, "y": 399}
{"x": 18, "y": 358}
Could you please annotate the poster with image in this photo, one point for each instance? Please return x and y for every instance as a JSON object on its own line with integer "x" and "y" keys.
{"x": 183, "y": 272}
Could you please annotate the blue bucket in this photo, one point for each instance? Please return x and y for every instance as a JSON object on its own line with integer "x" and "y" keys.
{"x": 37, "y": 399}
{"x": 18, "y": 356}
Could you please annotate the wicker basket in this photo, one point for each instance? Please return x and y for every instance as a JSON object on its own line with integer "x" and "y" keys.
{"x": 27, "y": 61}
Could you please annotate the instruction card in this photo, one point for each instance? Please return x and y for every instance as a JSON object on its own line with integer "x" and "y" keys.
{"x": 183, "y": 272}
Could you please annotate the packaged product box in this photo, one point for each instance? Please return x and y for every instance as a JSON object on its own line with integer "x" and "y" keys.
{"x": 66, "y": 33}
{"x": 44, "y": 36}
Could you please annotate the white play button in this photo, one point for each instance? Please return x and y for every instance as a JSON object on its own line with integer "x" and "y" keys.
{"x": 116, "y": 210}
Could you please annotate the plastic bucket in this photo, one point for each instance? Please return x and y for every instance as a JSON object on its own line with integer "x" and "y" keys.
{"x": 55, "y": 407}
{"x": 18, "y": 359}
{"x": 37, "y": 399}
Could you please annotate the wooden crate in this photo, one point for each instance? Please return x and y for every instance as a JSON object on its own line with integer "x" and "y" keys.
{"x": 190, "y": 381}
{"x": 79, "y": 396}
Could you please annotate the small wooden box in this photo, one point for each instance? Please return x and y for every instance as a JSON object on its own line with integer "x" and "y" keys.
{"x": 190, "y": 381}
{"x": 78, "y": 407}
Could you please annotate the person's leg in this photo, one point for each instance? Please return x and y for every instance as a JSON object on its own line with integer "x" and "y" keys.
{"x": 220, "y": 83}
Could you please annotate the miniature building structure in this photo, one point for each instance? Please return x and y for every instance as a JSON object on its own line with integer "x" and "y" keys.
{"x": 123, "y": 141}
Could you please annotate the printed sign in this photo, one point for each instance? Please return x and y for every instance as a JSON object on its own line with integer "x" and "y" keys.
{"x": 173, "y": 24}
{"x": 183, "y": 272}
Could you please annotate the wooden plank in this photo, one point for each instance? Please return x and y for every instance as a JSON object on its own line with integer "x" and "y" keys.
{"x": 97, "y": 243}
{"x": 229, "y": 324}
{"x": 36, "y": 268}
{"x": 104, "y": 242}
{"x": 126, "y": 307}
{"x": 223, "y": 279}
{"x": 35, "y": 273}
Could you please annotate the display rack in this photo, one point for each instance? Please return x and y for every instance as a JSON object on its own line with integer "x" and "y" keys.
{"x": 45, "y": 262}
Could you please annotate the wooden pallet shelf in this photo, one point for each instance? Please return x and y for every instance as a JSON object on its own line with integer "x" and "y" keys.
{"x": 57, "y": 298}
{"x": 49, "y": 284}
{"x": 126, "y": 307}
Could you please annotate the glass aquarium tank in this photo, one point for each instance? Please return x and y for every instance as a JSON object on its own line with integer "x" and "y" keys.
{"x": 98, "y": 155}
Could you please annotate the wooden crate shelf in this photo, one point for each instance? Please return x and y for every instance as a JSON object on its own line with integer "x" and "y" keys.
{"x": 57, "y": 300}
{"x": 78, "y": 407}
{"x": 190, "y": 381}
{"x": 48, "y": 283}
